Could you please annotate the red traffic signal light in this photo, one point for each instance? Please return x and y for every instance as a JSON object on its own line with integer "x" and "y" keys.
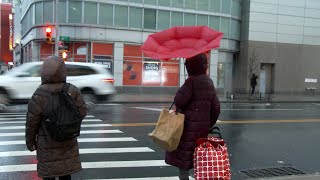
{"x": 48, "y": 35}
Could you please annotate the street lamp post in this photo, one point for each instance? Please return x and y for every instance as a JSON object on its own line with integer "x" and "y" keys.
{"x": 57, "y": 29}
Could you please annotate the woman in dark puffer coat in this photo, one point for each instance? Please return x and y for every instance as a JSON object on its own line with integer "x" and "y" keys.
{"x": 55, "y": 159}
{"x": 198, "y": 101}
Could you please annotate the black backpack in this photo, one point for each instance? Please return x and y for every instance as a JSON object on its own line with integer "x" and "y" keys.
{"x": 61, "y": 115}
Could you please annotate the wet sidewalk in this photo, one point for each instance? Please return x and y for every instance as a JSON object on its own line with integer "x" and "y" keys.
{"x": 168, "y": 98}
{"x": 306, "y": 177}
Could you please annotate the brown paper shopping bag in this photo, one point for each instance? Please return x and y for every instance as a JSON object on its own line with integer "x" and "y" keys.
{"x": 168, "y": 130}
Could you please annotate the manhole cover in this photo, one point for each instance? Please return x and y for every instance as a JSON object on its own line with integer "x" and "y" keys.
{"x": 271, "y": 172}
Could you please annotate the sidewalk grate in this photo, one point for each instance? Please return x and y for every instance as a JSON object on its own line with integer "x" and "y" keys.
{"x": 272, "y": 172}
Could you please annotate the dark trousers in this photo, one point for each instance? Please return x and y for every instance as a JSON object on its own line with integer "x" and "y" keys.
{"x": 253, "y": 89}
{"x": 183, "y": 174}
{"x": 68, "y": 177}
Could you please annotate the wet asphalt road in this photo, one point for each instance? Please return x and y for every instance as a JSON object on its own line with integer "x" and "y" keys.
{"x": 257, "y": 135}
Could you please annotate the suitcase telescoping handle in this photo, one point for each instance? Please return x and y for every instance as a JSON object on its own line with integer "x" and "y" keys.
{"x": 218, "y": 132}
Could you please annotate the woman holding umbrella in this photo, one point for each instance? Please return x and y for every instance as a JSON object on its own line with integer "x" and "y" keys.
{"x": 198, "y": 101}
{"x": 197, "y": 98}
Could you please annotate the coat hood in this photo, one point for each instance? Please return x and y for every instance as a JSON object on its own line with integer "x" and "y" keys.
{"x": 53, "y": 70}
{"x": 197, "y": 65}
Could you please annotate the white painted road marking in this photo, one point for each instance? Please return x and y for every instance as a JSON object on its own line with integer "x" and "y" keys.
{"x": 83, "y": 125}
{"x": 24, "y": 121}
{"x": 83, "y": 151}
{"x": 91, "y": 165}
{"x": 160, "y": 109}
{"x": 82, "y": 140}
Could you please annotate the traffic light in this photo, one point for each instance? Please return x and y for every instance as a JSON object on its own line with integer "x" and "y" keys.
{"x": 48, "y": 35}
{"x": 64, "y": 55}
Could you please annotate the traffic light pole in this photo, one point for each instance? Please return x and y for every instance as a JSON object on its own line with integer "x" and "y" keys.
{"x": 57, "y": 29}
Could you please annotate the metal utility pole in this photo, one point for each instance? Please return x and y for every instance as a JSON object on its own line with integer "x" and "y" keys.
{"x": 57, "y": 29}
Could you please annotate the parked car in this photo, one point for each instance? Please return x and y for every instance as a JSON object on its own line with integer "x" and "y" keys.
{"x": 94, "y": 81}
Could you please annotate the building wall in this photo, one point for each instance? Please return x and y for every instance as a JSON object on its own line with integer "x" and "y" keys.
{"x": 5, "y": 54}
{"x": 286, "y": 35}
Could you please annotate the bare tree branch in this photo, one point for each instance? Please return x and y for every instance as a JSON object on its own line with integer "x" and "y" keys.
{"x": 253, "y": 63}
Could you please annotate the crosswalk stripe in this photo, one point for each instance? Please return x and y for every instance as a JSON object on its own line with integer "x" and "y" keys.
{"x": 148, "y": 178}
{"x": 84, "y": 151}
{"x": 83, "y": 125}
{"x": 81, "y": 140}
{"x": 24, "y": 121}
{"x": 82, "y": 132}
{"x": 90, "y": 165}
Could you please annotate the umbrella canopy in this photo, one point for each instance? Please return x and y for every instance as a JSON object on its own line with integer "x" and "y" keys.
{"x": 181, "y": 42}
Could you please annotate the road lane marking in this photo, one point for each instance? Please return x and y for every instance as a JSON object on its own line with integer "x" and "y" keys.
{"x": 83, "y": 151}
{"x": 81, "y": 140}
{"x": 83, "y": 125}
{"x": 160, "y": 109}
{"x": 90, "y": 165}
{"x": 229, "y": 122}
{"x": 82, "y": 132}
{"x": 147, "y": 178}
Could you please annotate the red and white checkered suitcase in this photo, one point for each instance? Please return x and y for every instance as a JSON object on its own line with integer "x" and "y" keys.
{"x": 211, "y": 160}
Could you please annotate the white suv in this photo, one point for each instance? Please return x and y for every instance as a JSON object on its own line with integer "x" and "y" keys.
{"x": 94, "y": 81}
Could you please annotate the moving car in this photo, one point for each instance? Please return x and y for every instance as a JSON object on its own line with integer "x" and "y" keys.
{"x": 94, "y": 81}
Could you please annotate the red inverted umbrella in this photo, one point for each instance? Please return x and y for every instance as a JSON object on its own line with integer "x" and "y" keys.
{"x": 181, "y": 42}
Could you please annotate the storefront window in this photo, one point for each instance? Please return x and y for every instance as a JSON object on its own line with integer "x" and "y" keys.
{"x": 102, "y": 53}
{"x": 221, "y": 71}
{"x": 75, "y": 11}
{"x": 90, "y": 13}
{"x": 149, "y": 19}
{"x": 121, "y": 16}
{"x": 135, "y": 17}
{"x": 106, "y": 14}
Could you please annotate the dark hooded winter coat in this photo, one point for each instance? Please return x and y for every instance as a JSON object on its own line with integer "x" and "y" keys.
{"x": 54, "y": 158}
{"x": 197, "y": 99}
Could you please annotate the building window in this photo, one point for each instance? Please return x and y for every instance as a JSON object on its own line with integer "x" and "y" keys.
{"x": 163, "y": 20}
{"x": 214, "y": 22}
{"x": 203, "y": 5}
{"x": 176, "y": 19}
{"x": 225, "y": 24}
{"x": 121, "y": 16}
{"x": 90, "y": 13}
{"x": 75, "y": 12}
{"x": 164, "y": 3}
{"x": 149, "y": 19}
{"x": 136, "y": 1}
{"x": 152, "y": 2}
{"x": 106, "y": 14}
{"x": 48, "y": 14}
{"x": 190, "y": 4}
{"x": 236, "y": 9}
{"x": 202, "y": 20}
{"x": 177, "y": 3}
{"x": 62, "y": 15}
{"x": 135, "y": 17}
{"x": 189, "y": 19}
{"x": 215, "y": 5}
{"x": 235, "y": 29}
{"x": 226, "y": 4}
{"x": 39, "y": 12}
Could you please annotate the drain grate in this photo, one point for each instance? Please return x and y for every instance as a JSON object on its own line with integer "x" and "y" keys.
{"x": 271, "y": 172}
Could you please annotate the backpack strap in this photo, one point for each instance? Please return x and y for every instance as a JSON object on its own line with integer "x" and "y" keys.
{"x": 65, "y": 87}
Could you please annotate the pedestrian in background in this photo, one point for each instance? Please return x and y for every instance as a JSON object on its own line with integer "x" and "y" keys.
{"x": 253, "y": 83}
{"x": 55, "y": 159}
{"x": 198, "y": 101}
